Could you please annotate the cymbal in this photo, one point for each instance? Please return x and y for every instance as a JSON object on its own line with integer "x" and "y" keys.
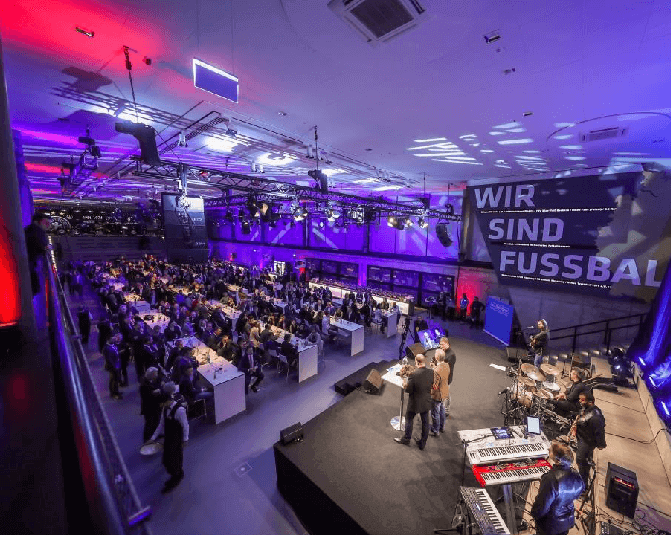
{"x": 549, "y": 369}
{"x": 536, "y": 375}
{"x": 529, "y": 368}
{"x": 526, "y": 381}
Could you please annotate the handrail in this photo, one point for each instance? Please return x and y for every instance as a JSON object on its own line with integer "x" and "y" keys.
{"x": 607, "y": 329}
{"x": 114, "y": 503}
{"x": 600, "y": 321}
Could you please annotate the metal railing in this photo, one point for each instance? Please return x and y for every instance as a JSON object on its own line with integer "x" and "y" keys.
{"x": 607, "y": 328}
{"x": 114, "y": 505}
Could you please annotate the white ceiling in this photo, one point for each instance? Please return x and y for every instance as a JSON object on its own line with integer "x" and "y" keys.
{"x": 575, "y": 61}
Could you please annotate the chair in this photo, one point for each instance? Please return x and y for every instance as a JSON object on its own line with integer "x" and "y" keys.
{"x": 196, "y": 410}
{"x": 282, "y": 361}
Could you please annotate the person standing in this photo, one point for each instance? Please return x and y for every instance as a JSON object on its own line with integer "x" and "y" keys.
{"x": 540, "y": 341}
{"x": 113, "y": 365}
{"x": 590, "y": 432}
{"x": 553, "y": 509}
{"x": 418, "y": 386}
{"x": 463, "y": 307}
{"x": 451, "y": 360}
{"x": 84, "y": 318}
{"x": 439, "y": 393}
{"x": 151, "y": 397}
{"x": 37, "y": 244}
{"x": 174, "y": 425}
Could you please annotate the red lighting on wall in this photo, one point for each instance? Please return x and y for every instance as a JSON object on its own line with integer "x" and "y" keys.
{"x": 10, "y": 299}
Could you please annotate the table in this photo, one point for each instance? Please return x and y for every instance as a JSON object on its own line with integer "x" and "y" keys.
{"x": 308, "y": 354}
{"x": 339, "y": 292}
{"x": 229, "y": 387}
{"x": 392, "y": 320}
{"x": 353, "y": 329}
{"x": 232, "y": 313}
{"x": 159, "y": 320}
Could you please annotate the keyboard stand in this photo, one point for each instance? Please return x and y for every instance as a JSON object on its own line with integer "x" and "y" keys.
{"x": 509, "y": 508}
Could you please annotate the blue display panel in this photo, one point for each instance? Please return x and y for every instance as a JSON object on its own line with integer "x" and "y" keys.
{"x": 313, "y": 264}
{"x": 498, "y": 319}
{"x": 435, "y": 282}
{"x": 329, "y": 267}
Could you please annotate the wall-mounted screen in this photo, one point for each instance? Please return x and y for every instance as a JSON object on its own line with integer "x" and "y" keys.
{"x": 408, "y": 279}
{"x": 349, "y": 269}
{"x": 313, "y": 264}
{"x": 379, "y": 274}
{"x": 329, "y": 267}
{"x": 435, "y": 282}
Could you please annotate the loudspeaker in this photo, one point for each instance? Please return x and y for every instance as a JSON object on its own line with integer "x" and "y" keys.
{"x": 373, "y": 382}
{"x": 146, "y": 137}
{"x": 293, "y": 433}
{"x": 621, "y": 490}
{"x": 443, "y": 233}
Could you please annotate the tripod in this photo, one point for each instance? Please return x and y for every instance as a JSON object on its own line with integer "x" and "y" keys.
{"x": 588, "y": 520}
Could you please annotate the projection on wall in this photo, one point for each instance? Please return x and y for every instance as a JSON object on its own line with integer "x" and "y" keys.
{"x": 185, "y": 229}
{"x": 609, "y": 235}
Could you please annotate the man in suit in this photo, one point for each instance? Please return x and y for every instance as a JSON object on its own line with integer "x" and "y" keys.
{"x": 418, "y": 386}
{"x": 84, "y": 318}
{"x": 250, "y": 365}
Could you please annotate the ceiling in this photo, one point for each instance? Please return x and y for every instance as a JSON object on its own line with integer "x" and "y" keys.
{"x": 497, "y": 111}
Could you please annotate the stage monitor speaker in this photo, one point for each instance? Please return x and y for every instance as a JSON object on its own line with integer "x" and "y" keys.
{"x": 411, "y": 308}
{"x": 293, "y": 433}
{"x": 621, "y": 490}
{"x": 373, "y": 382}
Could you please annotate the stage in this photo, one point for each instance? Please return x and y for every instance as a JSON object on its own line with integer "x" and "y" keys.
{"x": 349, "y": 476}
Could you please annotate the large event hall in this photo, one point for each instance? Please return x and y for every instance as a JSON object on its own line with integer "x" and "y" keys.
{"x": 363, "y": 267}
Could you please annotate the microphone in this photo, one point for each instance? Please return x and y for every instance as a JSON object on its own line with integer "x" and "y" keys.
{"x": 503, "y": 391}
{"x": 530, "y": 327}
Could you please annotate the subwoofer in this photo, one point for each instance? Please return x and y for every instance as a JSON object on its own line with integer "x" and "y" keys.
{"x": 373, "y": 382}
{"x": 293, "y": 433}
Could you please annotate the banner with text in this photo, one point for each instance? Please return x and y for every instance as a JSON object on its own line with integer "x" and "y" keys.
{"x": 606, "y": 234}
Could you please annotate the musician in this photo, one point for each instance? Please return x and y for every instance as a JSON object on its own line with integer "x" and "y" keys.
{"x": 418, "y": 386}
{"x": 553, "y": 508}
{"x": 567, "y": 403}
{"x": 539, "y": 342}
{"x": 590, "y": 431}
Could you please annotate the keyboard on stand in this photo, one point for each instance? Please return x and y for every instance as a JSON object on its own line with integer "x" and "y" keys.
{"x": 511, "y": 471}
{"x": 484, "y": 512}
{"x": 511, "y": 452}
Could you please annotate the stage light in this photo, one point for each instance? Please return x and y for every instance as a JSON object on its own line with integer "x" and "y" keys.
{"x": 408, "y": 223}
{"x": 220, "y": 145}
{"x": 300, "y": 214}
{"x": 391, "y": 221}
{"x": 246, "y": 228}
{"x": 422, "y": 223}
{"x": 492, "y": 37}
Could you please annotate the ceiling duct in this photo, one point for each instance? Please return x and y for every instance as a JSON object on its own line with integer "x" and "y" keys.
{"x": 379, "y": 20}
{"x": 604, "y": 133}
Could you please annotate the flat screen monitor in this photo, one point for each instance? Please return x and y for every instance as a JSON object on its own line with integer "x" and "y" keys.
{"x": 430, "y": 338}
{"x": 533, "y": 425}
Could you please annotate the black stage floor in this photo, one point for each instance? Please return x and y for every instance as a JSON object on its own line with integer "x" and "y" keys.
{"x": 349, "y": 476}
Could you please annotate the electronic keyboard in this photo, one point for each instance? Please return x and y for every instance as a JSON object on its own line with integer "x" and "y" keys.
{"x": 511, "y": 472}
{"x": 484, "y": 512}
{"x": 511, "y": 452}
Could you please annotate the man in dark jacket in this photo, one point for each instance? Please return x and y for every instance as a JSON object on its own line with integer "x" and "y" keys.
{"x": 418, "y": 387}
{"x": 553, "y": 508}
{"x": 84, "y": 319}
{"x": 151, "y": 398}
{"x": 113, "y": 365}
{"x": 568, "y": 403}
{"x": 37, "y": 243}
{"x": 590, "y": 431}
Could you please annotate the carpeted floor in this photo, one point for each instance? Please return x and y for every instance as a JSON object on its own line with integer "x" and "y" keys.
{"x": 230, "y": 484}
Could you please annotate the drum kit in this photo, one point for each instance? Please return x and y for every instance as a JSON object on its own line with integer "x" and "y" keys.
{"x": 533, "y": 388}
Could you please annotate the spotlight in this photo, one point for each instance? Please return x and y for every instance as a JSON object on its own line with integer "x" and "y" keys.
{"x": 300, "y": 214}
{"x": 87, "y": 33}
{"x": 422, "y": 223}
{"x": 246, "y": 228}
{"x": 321, "y": 224}
{"x": 146, "y": 60}
{"x": 229, "y": 216}
{"x": 492, "y": 37}
{"x": 391, "y": 221}
{"x": 408, "y": 223}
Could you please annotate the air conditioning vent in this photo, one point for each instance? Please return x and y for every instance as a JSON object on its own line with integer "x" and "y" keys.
{"x": 379, "y": 20}
{"x": 600, "y": 135}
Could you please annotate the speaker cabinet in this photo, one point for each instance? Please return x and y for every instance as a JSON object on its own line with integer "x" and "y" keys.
{"x": 293, "y": 433}
{"x": 621, "y": 490}
{"x": 373, "y": 382}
